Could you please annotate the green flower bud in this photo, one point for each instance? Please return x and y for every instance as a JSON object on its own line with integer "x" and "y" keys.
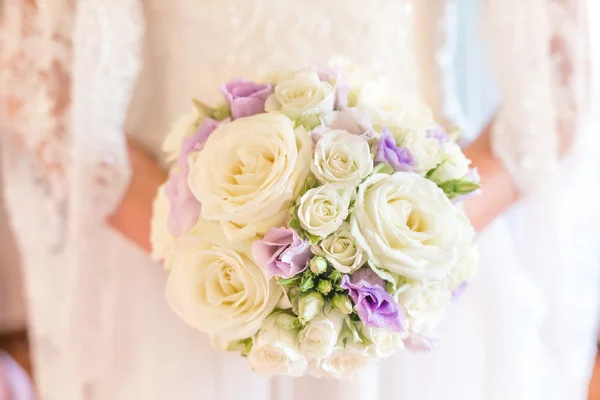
{"x": 342, "y": 303}
{"x": 336, "y": 277}
{"x": 324, "y": 286}
{"x": 310, "y": 306}
{"x": 318, "y": 265}
{"x": 306, "y": 283}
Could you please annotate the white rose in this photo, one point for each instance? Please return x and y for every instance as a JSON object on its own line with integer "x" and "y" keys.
{"x": 465, "y": 270}
{"x": 408, "y": 227}
{"x": 455, "y": 164}
{"x": 322, "y": 210}
{"x": 303, "y": 94}
{"x": 355, "y": 75}
{"x": 345, "y": 362}
{"x": 160, "y": 238}
{"x": 185, "y": 126}
{"x": 426, "y": 152}
{"x": 275, "y": 349}
{"x": 342, "y": 159}
{"x": 219, "y": 291}
{"x": 424, "y": 304}
{"x": 319, "y": 337}
{"x": 390, "y": 110}
{"x": 341, "y": 251}
{"x": 249, "y": 172}
{"x": 383, "y": 343}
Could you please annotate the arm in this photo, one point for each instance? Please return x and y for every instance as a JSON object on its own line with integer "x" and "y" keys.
{"x": 499, "y": 191}
{"x": 132, "y": 217}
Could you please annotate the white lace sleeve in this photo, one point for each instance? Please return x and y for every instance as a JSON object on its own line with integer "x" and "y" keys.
{"x": 538, "y": 49}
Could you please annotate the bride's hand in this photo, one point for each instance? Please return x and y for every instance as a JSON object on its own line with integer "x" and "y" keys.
{"x": 132, "y": 217}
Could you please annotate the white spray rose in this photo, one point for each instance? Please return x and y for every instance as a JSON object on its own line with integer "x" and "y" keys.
{"x": 275, "y": 349}
{"x": 185, "y": 126}
{"x": 341, "y": 251}
{"x": 454, "y": 165}
{"x": 319, "y": 337}
{"x": 345, "y": 362}
{"x": 408, "y": 227}
{"x": 426, "y": 152}
{"x": 383, "y": 343}
{"x": 301, "y": 95}
{"x": 424, "y": 304}
{"x": 465, "y": 270}
{"x": 390, "y": 110}
{"x": 249, "y": 172}
{"x": 161, "y": 239}
{"x": 309, "y": 306}
{"x": 217, "y": 290}
{"x": 342, "y": 159}
{"x": 323, "y": 209}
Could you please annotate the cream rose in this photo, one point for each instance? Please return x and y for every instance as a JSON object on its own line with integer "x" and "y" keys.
{"x": 160, "y": 238}
{"x": 424, "y": 304}
{"x": 319, "y": 337}
{"x": 342, "y": 159}
{"x": 301, "y": 95}
{"x": 249, "y": 172}
{"x": 383, "y": 343}
{"x": 341, "y": 251}
{"x": 408, "y": 227}
{"x": 185, "y": 126}
{"x": 323, "y": 209}
{"x": 219, "y": 291}
{"x": 390, "y": 110}
{"x": 454, "y": 164}
{"x": 275, "y": 349}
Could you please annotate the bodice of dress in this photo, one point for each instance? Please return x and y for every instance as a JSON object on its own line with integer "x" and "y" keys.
{"x": 191, "y": 47}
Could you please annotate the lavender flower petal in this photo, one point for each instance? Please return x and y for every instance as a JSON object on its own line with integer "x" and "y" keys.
{"x": 399, "y": 158}
{"x": 374, "y": 305}
{"x": 281, "y": 253}
{"x": 246, "y": 98}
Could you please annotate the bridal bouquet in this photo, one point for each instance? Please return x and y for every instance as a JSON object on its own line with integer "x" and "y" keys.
{"x": 310, "y": 221}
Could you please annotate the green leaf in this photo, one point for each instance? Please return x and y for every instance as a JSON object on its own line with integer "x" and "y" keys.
{"x": 429, "y": 173}
{"x": 311, "y": 238}
{"x": 289, "y": 282}
{"x": 308, "y": 121}
{"x": 383, "y": 168}
{"x": 202, "y": 108}
{"x": 221, "y": 113}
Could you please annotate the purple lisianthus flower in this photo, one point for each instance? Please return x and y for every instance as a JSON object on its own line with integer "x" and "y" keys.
{"x": 185, "y": 208}
{"x": 351, "y": 120}
{"x": 14, "y": 382}
{"x": 341, "y": 89}
{"x": 376, "y": 308}
{"x": 460, "y": 290}
{"x": 281, "y": 253}
{"x": 196, "y": 141}
{"x": 438, "y": 133}
{"x": 246, "y": 98}
{"x": 399, "y": 158}
{"x": 419, "y": 343}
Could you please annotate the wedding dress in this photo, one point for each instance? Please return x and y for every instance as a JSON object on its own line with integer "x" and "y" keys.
{"x": 100, "y": 327}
